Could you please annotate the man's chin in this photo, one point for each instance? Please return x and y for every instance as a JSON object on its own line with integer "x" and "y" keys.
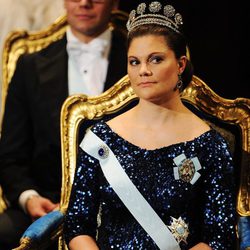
{"x": 91, "y": 31}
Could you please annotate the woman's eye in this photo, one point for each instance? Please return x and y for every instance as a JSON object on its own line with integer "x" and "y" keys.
{"x": 156, "y": 59}
{"x": 133, "y": 62}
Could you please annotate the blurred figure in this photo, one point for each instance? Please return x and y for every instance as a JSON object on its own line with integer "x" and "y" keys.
{"x": 89, "y": 59}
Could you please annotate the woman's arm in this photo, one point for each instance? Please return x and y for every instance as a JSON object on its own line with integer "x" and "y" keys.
{"x": 80, "y": 218}
{"x": 83, "y": 242}
{"x": 201, "y": 246}
{"x": 219, "y": 197}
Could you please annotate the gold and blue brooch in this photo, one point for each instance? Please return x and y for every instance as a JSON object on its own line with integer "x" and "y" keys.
{"x": 187, "y": 168}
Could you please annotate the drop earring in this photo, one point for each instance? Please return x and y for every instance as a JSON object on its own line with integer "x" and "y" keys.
{"x": 179, "y": 84}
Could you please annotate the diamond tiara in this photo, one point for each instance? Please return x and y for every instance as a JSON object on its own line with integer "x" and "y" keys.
{"x": 157, "y": 14}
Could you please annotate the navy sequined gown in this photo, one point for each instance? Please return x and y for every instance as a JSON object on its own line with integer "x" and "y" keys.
{"x": 207, "y": 206}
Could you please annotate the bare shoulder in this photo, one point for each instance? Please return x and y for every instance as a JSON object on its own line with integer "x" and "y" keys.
{"x": 198, "y": 126}
{"x": 120, "y": 122}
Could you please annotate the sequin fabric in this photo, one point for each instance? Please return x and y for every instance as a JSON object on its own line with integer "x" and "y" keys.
{"x": 207, "y": 206}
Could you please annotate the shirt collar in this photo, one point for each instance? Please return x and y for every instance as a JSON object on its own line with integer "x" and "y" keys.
{"x": 104, "y": 37}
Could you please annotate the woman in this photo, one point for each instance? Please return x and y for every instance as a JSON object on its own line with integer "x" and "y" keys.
{"x": 181, "y": 168}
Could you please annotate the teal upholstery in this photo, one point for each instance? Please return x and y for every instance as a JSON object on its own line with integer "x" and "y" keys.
{"x": 244, "y": 232}
{"x": 44, "y": 228}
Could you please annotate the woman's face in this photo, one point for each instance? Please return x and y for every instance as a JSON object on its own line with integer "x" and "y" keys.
{"x": 153, "y": 68}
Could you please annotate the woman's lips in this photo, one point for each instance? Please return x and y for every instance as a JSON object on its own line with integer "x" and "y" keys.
{"x": 146, "y": 83}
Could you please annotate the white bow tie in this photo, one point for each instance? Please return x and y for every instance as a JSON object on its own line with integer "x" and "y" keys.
{"x": 95, "y": 47}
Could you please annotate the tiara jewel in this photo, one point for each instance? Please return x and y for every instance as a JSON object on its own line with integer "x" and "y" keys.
{"x": 141, "y": 8}
{"x": 155, "y": 7}
{"x": 155, "y": 13}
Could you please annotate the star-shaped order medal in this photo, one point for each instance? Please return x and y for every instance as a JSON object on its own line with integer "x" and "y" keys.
{"x": 179, "y": 229}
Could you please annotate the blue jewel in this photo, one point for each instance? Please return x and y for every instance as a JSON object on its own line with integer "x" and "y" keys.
{"x": 103, "y": 152}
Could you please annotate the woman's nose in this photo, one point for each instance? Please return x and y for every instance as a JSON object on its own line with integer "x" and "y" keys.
{"x": 144, "y": 70}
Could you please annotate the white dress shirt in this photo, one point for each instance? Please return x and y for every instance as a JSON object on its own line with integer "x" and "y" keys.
{"x": 87, "y": 63}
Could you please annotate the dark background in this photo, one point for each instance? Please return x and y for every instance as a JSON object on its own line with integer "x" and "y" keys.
{"x": 218, "y": 34}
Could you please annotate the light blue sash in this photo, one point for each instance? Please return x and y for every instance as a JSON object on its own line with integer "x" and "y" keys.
{"x": 128, "y": 193}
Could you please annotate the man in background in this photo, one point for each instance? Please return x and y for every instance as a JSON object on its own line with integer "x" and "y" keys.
{"x": 89, "y": 59}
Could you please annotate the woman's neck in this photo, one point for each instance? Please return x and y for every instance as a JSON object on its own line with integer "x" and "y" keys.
{"x": 146, "y": 112}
